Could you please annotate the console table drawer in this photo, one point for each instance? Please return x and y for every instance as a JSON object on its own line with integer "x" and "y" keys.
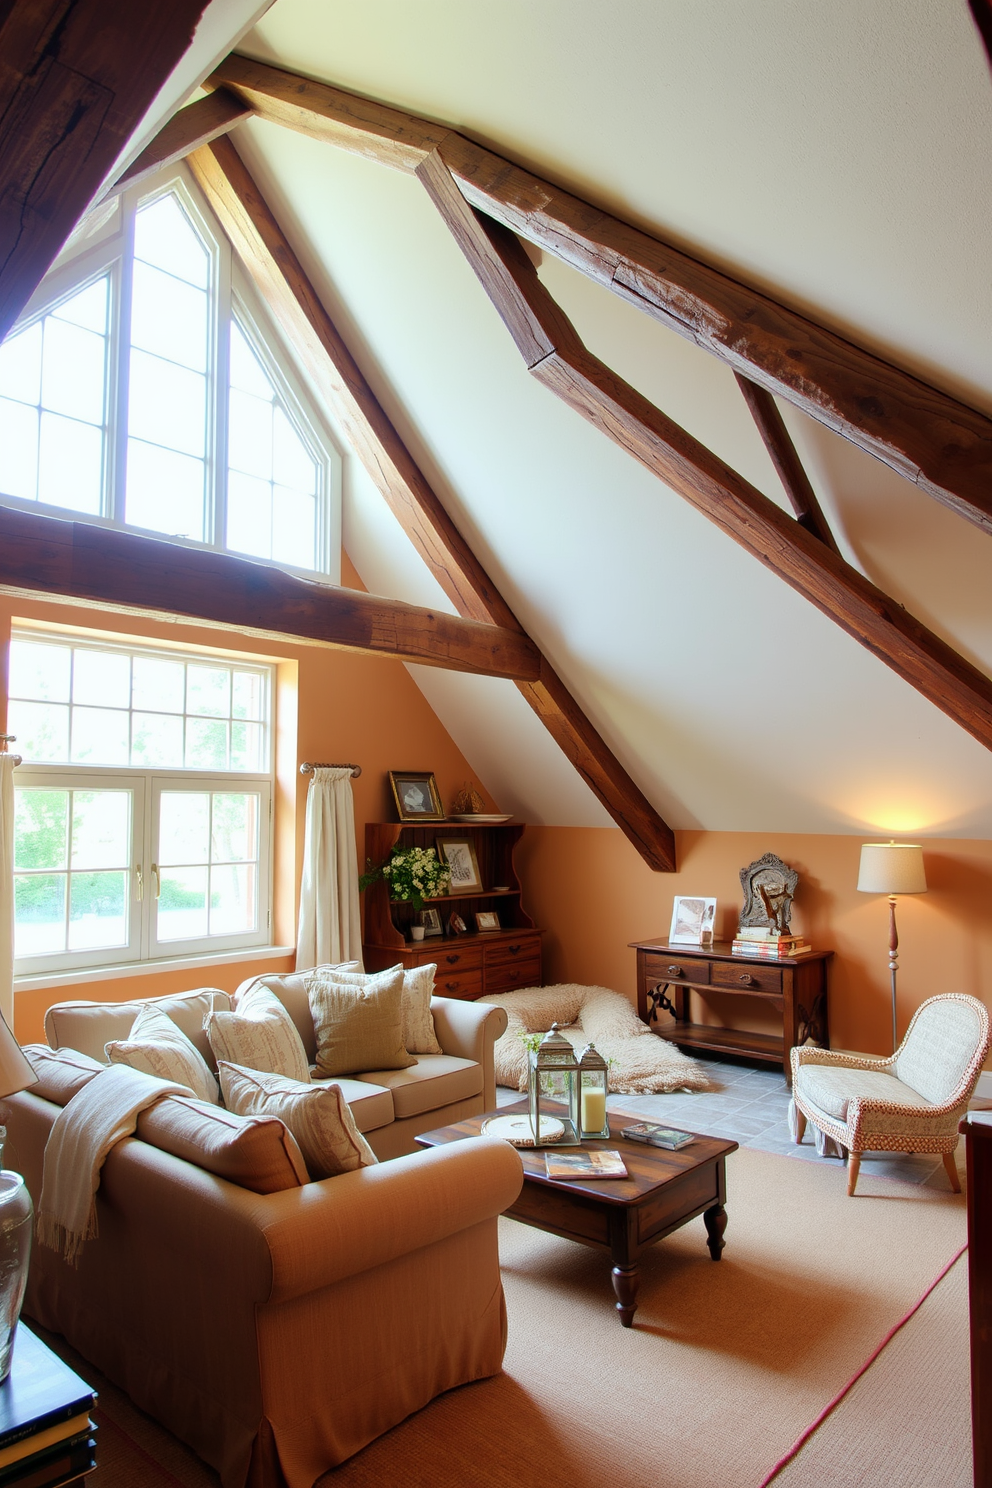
{"x": 469, "y": 959}
{"x": 458, "y": 984}
{"x": 510, "y": 974}
{"x": 674, "y": 969}
{"x": 752, "y": 977}
{"x": 506, "y": 952}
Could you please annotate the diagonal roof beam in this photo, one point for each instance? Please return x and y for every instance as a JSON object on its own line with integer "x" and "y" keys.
{"x": 932, "y": 439}
{"x": 981, "y": 12}
{"x": 188, "y": 129}
{"x": 555, "y": 355}
{"x": 292, "y": 299}
{"x": 785, "y": 457}
{"x": 76, "y": 78}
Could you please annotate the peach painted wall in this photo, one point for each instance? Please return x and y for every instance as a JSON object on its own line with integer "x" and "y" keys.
{"x": 351, "y": 708}
{"x": 593, "y": 894}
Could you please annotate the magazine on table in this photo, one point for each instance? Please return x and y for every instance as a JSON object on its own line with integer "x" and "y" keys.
{"x": 585, "y": 1165}
{"x": 657, "y": 1136}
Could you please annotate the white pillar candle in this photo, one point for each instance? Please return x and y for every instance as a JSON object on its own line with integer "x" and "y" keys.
{"x": 593, "y": 1108}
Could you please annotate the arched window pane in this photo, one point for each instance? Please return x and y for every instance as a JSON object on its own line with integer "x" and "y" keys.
{"x": 165, "y": 237}
{"x": 169, "y": 317}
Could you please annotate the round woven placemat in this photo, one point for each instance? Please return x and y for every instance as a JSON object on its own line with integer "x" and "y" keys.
{"x": 518, "y": 1130}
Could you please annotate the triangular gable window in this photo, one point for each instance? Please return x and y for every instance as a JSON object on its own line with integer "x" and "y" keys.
{"x": 144, "y": 389}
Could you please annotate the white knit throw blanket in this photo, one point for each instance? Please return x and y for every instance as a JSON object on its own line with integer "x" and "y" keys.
{"x": 98, "y": 1116}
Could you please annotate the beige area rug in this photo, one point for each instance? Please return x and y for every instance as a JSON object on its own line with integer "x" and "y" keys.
{"x": 726, "y": 1366}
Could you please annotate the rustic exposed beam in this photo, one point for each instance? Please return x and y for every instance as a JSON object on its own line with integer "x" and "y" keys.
{"x": 785, "y": 458}
{"x": 76, "y": 77}
{"x": 80, "y": 561}
{"x": 279, "y": 276}
{"x": 932, "y": 439}
{"x": 557, "y": 358}
{"x": 189, "y": 129}
{"x": 981, "y": 11}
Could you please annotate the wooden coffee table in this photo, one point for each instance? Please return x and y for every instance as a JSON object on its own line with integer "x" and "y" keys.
{"x": 622, "y": 1216}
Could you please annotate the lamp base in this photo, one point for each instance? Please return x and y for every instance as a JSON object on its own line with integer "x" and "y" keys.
{"x": 16, "y": 1224}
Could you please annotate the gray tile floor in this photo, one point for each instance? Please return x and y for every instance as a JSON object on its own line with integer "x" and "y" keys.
{"x": 749, "y": 1105}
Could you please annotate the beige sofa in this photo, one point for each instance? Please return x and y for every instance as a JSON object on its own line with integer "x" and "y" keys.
{"x": 278, "y": 1333}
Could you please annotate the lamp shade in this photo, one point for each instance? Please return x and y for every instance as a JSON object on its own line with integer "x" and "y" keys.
{"x": 15, "y": 1071}
{"x": 892, "y": 868}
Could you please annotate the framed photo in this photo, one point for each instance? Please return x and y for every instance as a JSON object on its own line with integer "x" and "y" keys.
{"x": 692, "y": 921}
{"x": 456, "y": 925}
{"x": 431, "y": 921}
{"x": 416, "y": 795}
{"x": 459, "y": 854}
{"x": 487, "y": 919}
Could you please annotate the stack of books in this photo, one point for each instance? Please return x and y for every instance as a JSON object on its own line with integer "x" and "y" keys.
{"x": 46, "y": 1435}
{"x": 767, "y": 945}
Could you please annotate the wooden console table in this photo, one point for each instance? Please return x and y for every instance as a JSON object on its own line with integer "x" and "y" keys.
{"x": 795, "y": 987}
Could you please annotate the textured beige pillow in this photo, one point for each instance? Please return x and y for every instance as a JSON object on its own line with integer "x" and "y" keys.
{"x": 157, "y": 1047}
{"x": 259, "y": 1033}
{"x": 418, "y": 989}
{"x": 358, "y": 1027}
{"x": 317, "y": 1115}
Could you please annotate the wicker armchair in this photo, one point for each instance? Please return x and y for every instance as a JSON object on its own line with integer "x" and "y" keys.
{"x": 911, "y": 1102}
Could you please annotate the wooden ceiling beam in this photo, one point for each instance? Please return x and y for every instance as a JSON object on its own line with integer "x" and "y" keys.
{"x": 557, "y": 358}
{"x": 785, "y": 457}
{"x": 934, "y": 440}
{"x": 76, "y": 560}
{"x": 981, "y": 12}
{"x": 76, "y": 78}
{"x": 192, "y": 127}
{"x": 280, "y": 279}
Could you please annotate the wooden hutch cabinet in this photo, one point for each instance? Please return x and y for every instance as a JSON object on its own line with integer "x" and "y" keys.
{"x": 476, "y": 964}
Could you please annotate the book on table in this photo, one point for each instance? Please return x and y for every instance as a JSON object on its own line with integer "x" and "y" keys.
{"x": 657, "y": 1136}
{"x": 46, "y": 1435}
{"x": 594, "y": 1164}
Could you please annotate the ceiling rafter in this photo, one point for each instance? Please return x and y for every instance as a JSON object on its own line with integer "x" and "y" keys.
{"x": 931, "y": 438}
{"x": 277, "y": 273}
{"x": 76, "y": 78}
{"x": 77, "y": 560}
{"x": 192, "y": 127}
{"x": 555, "y": 355}
{"x": 785, "y": 457}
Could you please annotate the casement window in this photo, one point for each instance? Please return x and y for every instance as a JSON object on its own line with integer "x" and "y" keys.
{"x": 142, "y": 825}
{"x": 143, "y": 388}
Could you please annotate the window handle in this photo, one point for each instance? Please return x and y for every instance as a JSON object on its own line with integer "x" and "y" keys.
{"x": 141, "y": 882}
{"x": 158, "y": 881}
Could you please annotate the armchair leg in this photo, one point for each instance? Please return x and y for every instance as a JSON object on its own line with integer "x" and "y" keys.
{"x": 853, "y": 1165}
{"x": 951, "y": 1169}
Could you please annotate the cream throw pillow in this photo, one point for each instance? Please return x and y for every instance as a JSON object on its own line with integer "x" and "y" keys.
{"x": 317, "y": 1115}
{"x": 259, "y": 1033}
{"x": 418, "y": 989}
{"x": 157, "y": 1047}
{"x": 358, "y": 1027}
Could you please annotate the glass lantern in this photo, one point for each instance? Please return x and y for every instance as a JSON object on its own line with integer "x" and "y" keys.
{"x": 553, "y": 1091}
{"x": 593, "y": 1086}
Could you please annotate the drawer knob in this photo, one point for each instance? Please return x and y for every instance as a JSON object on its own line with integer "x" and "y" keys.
{"x": 513, "y": 949}
{"x": 452, "y": 960}
{"x": 451, "y": 986}
{"x": 746, "y": 978}
{"x": 675, "y": 971}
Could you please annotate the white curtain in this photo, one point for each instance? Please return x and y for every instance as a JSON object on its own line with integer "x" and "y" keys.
{"x": 7, "y": 888}
{"x": 330, "y": 922}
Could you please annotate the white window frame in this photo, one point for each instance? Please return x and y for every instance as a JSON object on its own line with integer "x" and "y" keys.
{"x": 110, "y": 248}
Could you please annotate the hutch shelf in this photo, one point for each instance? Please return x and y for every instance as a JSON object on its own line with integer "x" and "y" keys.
{"x": 472, "y": 965}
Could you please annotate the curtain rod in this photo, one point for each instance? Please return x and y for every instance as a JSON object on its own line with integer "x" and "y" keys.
{"x": 6, "y": 739}
{"x": 307, "y": 768}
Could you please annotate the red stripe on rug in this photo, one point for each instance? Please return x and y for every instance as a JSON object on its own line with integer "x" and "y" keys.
{"x": 815, "y": 1425}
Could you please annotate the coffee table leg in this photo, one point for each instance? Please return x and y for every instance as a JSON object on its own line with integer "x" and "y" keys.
{"x": 625, "y": 1283}
{"x": 715, "y": 1220}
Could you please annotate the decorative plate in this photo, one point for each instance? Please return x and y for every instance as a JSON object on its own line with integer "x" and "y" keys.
{"x": 518, "y": 1130}
{"x": 477, "y": 816}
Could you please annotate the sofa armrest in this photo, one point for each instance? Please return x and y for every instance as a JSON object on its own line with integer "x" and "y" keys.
{"x": 468, "y": 1030}
{"x": 324, "y": 1232}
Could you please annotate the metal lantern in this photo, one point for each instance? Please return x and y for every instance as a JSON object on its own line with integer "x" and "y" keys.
{"x": 593, "y": 1087}
{"x": 553, "y": 1092}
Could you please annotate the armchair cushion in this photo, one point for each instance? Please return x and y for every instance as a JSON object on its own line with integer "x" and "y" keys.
{"x": 939, "y": 1047}
{"x": 832, "y": 1088}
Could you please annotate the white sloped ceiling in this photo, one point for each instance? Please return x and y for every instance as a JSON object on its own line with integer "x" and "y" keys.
{"x": 839, "y": 155}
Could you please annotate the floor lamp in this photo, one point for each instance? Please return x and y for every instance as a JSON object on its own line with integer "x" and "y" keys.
{"x": 892, "y": 868}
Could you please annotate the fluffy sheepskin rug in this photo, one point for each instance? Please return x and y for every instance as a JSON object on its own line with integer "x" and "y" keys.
{"x": 642, "y": 1063}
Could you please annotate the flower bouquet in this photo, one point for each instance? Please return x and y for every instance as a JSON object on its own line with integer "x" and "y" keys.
{"x": 413, "y": 873}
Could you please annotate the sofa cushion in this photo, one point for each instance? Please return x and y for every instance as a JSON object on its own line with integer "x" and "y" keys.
{"x": 291, "y": 989}
{"x": 832, "y": 1088}
{"x": 435, "y": 1080}
{"x": 317, "y": 1115}
{"x": 90, "y": 1026}
{"x": 418, "y": 989}
{"x": 255, "y": 1152}
{"x": 371, "y": 1105}
{"x": 358, "y": 1028}
{"x": 260, "y": 1034}
{"x": 61, "y": 1072}
{"x": 157, "y": 1047}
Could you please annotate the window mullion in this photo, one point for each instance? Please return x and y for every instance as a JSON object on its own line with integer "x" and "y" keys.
{"x": 122, "y": 341}
{"x": 217, "y": 534}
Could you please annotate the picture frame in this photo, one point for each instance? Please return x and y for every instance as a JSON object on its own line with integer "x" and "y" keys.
{"x": 693, "y": 917}
{"x": 456, "y": 925}
{"x": 431, "y": 921}
{"x": 487, "y": 919}
{"x": 416, "y": 796}
{"x": 460, "y": 856}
